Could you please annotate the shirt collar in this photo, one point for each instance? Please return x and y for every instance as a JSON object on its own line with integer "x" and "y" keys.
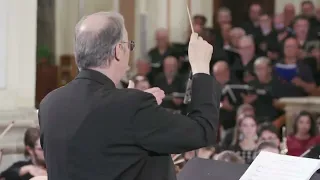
{"x": 95, "y": 76}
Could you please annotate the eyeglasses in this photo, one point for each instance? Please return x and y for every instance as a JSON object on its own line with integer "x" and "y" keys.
{"x": 131, "y": 45}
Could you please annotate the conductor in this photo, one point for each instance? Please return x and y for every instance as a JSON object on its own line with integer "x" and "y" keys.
{"x": 90, "y": 130}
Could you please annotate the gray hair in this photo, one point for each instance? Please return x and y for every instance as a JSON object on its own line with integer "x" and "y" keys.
{"x": 247, "y": 39}
{"x": 96, "y": 48}
{"x": 143, "y": 60}
{"x": 237, "y": 30}
{"x": 224, "y": 10}
{"x": 262, "y": 60}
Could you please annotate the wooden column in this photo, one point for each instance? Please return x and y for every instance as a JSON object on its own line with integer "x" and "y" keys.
{"x": 127, "y": 9}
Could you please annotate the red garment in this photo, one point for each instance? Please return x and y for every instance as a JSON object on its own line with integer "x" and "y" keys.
{"x": 297, "y": 147}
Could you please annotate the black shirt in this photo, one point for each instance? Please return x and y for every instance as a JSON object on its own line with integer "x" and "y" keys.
{"x": 92, "y": 130}
{"x": 12, "y": 173}
{"x": 227, "y": 117}
{"x": 157, "y": 59}
{"x": 267, "y": 42}
{"x": 314, "y": 66}
{"x": 240, "y": 70}
{"x": 264, "y": 109}
{"x": 251, "y": 29}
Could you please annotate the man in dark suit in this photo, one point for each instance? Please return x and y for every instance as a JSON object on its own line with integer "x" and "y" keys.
{"x": 91, "y": 130}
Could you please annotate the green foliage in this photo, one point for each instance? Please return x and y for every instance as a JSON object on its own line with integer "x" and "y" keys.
{"x": 44, "y": 52}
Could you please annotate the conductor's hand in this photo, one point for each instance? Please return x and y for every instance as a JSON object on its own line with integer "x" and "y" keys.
{"x": 200, "y": 52}
{"x": 156, "y": 92}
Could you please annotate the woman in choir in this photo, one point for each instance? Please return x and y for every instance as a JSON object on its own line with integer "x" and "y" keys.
{"x": 245, "y": 138}
{"x": 303, "y": 136}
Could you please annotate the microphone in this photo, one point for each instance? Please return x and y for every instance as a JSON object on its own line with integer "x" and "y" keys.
{"x": 187, "y": 96}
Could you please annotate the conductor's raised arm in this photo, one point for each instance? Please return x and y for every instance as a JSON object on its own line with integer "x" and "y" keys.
{"x": 160, "y": 131}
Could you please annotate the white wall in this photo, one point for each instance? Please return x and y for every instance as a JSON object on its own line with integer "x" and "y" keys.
{"x": 157, "y": 12}
{"x": 17, "y": 98}
{"x": 3, "y": 43}
{"x": 67, "y": 14}
{"x": 279, "y": 4}
{"x": 66, "y": 17}
{"x": 20, "y": 49}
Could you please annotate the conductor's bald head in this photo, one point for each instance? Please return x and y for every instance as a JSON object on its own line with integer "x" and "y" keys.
{"x": 101, "y": 43}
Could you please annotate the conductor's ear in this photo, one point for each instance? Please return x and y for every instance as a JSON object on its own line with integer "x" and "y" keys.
{"x": 117, "y": 51}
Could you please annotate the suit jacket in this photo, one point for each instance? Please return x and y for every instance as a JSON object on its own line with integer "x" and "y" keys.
{"x": 91, "y": 130}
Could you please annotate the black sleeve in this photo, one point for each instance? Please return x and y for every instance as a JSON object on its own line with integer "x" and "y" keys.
{"x": 12, "y": 173}
{"x": 160, "y": 131}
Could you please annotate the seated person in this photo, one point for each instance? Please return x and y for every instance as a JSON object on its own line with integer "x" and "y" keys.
{"x": 235, "y": 35}
{"x": 229, "y": 156}
{"x": 162, "y": 50}
{"x": 243, "y": 67}
{"x": 314, "y": 60}
{"x": 252, "y": 26}
{"x": 268, "y": 146}
{"x": 170, "y": 81}
{"x": 268, "y": 133}
{"x": 243, "y": 110}
{"x": 302, "y": 83}
{"x": 143, "y": 68}
{"x": 303, "y": 34}
{"x": 231, "y": 53}
{"x": 245, "y": 138}
{"x": 222, "y": 40}
{"x": 35, "y": 166}
{"x": 268, "y": 37}
{"x": 199, "y": 20}
{"x": 303, "y": 136}
{"x": 141, "y": 83}
{"x": 222, "y": 74}
{"x": 268, "y": 89}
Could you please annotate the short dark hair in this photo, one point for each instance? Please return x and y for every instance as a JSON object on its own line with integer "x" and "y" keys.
{"x": 266, "y": 144}
{"x": 299, "y": 18}
{"x": 313, "y": 129}
{"x": 202, "y": 17}
{"x": 31, "y": 136}
{"x": 266, "y": 14}
{"x": 306, "y": 2}
{"x": 267, "y": 127}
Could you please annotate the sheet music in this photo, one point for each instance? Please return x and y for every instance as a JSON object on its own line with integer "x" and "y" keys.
{"x": 271, "y": 166}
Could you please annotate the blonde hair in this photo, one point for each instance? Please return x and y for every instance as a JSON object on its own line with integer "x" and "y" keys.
{"x": 243, "y": 108}
{"x": 236, "y": 134}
